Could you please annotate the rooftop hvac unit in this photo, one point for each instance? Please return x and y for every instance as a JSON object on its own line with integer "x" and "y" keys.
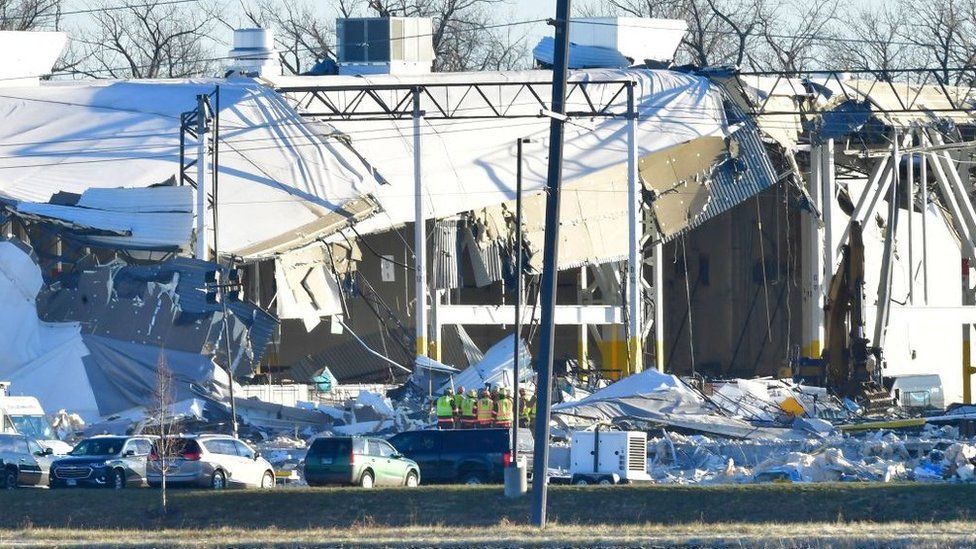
{"x": 385, "y": 45}
{"x": 608, "y": 457}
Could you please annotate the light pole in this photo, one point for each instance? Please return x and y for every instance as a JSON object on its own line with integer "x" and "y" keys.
{"x": 516, "y": 483}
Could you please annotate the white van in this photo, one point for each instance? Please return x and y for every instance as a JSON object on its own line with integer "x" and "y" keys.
{"x": 24, "y": 415}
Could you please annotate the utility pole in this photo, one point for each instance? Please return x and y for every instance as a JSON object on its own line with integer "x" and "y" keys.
{"x": 540, "y": 478}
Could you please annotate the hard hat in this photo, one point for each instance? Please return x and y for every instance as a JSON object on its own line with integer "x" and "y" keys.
{"x": 472, "y": 393}
{"x": 448, "y": 391}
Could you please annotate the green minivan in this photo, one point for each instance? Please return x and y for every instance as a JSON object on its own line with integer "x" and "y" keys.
{"x": 361, "y": 461}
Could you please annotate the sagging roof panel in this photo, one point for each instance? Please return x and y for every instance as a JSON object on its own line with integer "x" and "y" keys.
{"x": 279, "y": 174}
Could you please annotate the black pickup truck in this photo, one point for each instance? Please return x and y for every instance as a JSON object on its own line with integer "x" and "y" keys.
{"x": 468, "y": 456}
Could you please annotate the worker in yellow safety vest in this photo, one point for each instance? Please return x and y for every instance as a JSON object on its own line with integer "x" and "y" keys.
{"x": 458, "y": 399}
{"x": 486, "y": 410}
{"x": 526, "y": 408}
{"x": 469, "y": 410}
{"x": 504, "y": 408}
{"x": 445, "y": 410}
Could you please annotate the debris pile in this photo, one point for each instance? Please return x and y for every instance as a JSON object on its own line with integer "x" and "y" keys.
{"x": 933, "y": 454}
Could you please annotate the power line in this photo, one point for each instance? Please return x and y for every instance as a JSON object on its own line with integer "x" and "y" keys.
{"x": 97, "y": 10}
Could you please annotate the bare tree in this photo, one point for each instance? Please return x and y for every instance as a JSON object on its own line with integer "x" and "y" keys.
{"x": 798, "y": 41}
{"x": 720, "y": 32}
{"x": 880, "y": 45}
{"x": 163, "y": 422}
{"x": 942, "y": 32}
{"x": 23, "y": 15}
{"x": 147, "y": 40}
{"x": 301, "y": 34}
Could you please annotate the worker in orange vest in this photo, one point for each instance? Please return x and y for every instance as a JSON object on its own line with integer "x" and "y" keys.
{"x": 504, "y": 409}
{"x": 486, "y": 410}
{"x": 445, "y": 410}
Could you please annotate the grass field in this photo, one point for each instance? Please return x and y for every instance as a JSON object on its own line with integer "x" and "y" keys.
{"x": 773, "y": 515}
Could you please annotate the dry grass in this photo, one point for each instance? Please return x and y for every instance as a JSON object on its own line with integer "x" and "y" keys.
{"x": 838, "y": 515}
{"x": 506, "y": 535}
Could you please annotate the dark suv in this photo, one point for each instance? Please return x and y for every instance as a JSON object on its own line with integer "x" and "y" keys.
{"x": 103, "y": 461}
{"x": 469, "y": 456}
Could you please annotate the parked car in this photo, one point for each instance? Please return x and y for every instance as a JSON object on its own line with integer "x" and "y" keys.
{"x": 469, "y": 456}
{"x": 214, "y": 461}
{"x": 361, "y": 461}
{"x": 23, "y": 462}
{"x": 103, "y": 461}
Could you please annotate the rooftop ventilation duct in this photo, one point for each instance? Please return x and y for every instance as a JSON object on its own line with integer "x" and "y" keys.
{"x": 254, "y": 53}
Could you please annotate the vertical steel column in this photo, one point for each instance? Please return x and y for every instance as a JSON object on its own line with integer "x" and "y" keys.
{"x": 583, "y": 345}
{"x": 201, "y": 194}
{"x": 923, "y": 188}
{"x": 910, "y": 205}
{"x": 828, "y": 182}
{"x": 635, "y": 230}
{"x": 967, "y": 369}
{"x": 547, "y": 332}
{"x": 419, "y": 232}
{"x": 659, "y": 305}
{"x": 813, "y": 264}
{"x": 887, "y": 259}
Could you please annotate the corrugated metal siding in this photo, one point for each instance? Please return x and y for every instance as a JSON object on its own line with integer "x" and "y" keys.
{"x": 192, "y": 296}
{"x": 447, "y": 254}
{"x": 156, "y": 218}
{"x": 150, "y": 199}
{"x": 738, "y": 179}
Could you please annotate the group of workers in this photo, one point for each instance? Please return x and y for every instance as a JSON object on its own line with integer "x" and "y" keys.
{"x": 493, "y": 408}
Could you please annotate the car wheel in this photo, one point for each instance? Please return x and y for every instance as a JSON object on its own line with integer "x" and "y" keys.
{"x": 474, "y": 479}
{"x": 412, "y": 480}
{"x": 582, "y": 482}
{"x": 605, "y": 482}
{"x": 218, "y": 481}
{"x": 366, "y": 481}
{"x": 118, "y": 479}
{"x": 9, "y": 481}
{"x": 268, "y": 480}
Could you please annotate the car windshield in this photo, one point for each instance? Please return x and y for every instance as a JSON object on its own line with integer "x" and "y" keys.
{"x": 98, "y": 447}
{"x": 33, "y": 426}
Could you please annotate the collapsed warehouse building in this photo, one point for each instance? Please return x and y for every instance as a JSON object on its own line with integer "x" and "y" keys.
{"x": 714, "y": 223}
